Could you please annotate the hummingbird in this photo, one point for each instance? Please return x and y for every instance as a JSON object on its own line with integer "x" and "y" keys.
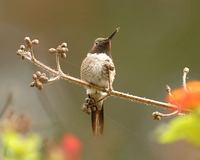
{"x": 98, "y": 69}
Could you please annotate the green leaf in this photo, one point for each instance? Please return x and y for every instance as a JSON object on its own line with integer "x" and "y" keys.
{"x": 181, "y": 128}
{"x": 18, "y": 146}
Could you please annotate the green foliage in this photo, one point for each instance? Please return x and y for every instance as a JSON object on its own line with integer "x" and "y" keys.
{"x": 16, "y": 146}
{"x": 181, "y": 128}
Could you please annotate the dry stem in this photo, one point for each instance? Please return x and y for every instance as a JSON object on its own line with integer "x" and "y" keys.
{"x": 185, "y": 72}
{"x": 58, "y": 74}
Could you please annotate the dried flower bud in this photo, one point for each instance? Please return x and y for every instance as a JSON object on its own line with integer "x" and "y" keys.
{"x": 64, "y": 45}
{"x": 34, "y": 76}
{"x": 186, "y": 70}
{"x": 44, "y": 74}
{"x": 52, "y": 50}
{"x": 35, "y": 41}
{"x": 63, "y": 55}
{"x": 64, "y": 50}
{"x": 28, "y": 53}
{"x": 38, "y": 73}
{"x": 156, "y": 116}
{"x": 19, "y": 52}
{"x": 59, "y": 49}
{"x": 32, "y": 84}
{"x": 22, "y": 47}
{"x": 38, "y": 84}
{"x": 28, "y": 42}
{"x": 43, "y": 79}
{"x": 27, "y": 39}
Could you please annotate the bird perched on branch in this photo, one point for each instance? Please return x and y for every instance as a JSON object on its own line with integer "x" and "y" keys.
{"x": 98, "y": 69}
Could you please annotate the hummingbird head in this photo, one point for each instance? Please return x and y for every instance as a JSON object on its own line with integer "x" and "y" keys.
{"x": 103, "y": 45}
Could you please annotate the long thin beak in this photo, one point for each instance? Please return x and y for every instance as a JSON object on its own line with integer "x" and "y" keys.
{"x": 112, "y": 35}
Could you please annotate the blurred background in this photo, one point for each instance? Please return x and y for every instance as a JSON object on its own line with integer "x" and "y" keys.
{"x": 157, "y": 39}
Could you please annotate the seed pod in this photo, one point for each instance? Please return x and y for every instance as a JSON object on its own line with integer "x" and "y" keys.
{"x": 52, "y": 50}
{"x": 39, "y": 85}
{"x": 34, "y": 76}
{"x": 63, "y": 55}
{"x": 64, "y": 45}
{"x": 43, "y": 79}
{"x": 28, "y": 53}
{"x": 19, "y": 52}
{"x": 59, "y": 49}
{"x": 44, "y": 74}
{"x": 64, "y": 50}
{"x": 32, "y": 84}
{"x": 38, "y": 73}
{"x": 156, "y": 116}
{"x": 28, "y": 42}
{"x": 35, "y": 41}
{"x": 22, "y": 47}
{"x": 186, "y": 70}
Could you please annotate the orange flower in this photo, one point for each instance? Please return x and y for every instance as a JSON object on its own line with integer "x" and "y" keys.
{"x": 186, "y": 99}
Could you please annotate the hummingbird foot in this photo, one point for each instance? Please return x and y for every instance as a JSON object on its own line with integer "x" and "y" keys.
{"x": 86, "y": 109}
{"x": 89, "y": 105}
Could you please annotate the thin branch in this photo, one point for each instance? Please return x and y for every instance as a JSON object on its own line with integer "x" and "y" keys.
{"x": 58, "y": 74}
{"x": 112, "y": 93}
{"x": 158, "y": 115}
{"x": 185, "y": 72}
{"x": 58, "y": 63}
{"x": 53, "y": 79}
{"x": 168, "y": 89}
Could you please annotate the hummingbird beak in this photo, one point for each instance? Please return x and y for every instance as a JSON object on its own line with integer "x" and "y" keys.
{"x": 112, "y": 35}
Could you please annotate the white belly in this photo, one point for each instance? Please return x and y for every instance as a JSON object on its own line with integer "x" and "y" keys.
{"x": 93, "y": 69}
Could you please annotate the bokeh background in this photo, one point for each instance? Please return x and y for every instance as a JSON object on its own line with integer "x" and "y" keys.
{"x": 158, "y": 38}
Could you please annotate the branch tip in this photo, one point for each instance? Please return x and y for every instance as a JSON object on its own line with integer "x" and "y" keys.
{"x": 168, "y": 89}
{"x": 185, "y": 72}
{"x": 158, "y": 115}
{"x": 35, "y": 41}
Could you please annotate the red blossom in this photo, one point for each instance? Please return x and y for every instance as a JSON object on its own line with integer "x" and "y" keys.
{"x": 186, "y": 99}
{"x": 72, "y": 147}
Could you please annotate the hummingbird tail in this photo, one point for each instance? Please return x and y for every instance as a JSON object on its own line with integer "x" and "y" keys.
{"x": 97, "y": 118}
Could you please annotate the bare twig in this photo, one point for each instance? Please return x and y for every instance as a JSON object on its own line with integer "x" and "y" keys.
{"x": 158, "y": 115}
{"x": 58, "y": 74}
{"x": 185, "y": 72}
{"x": 168, "y": 89}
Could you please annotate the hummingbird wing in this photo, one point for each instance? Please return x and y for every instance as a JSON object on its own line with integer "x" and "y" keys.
{"x": 97, "y": 118}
